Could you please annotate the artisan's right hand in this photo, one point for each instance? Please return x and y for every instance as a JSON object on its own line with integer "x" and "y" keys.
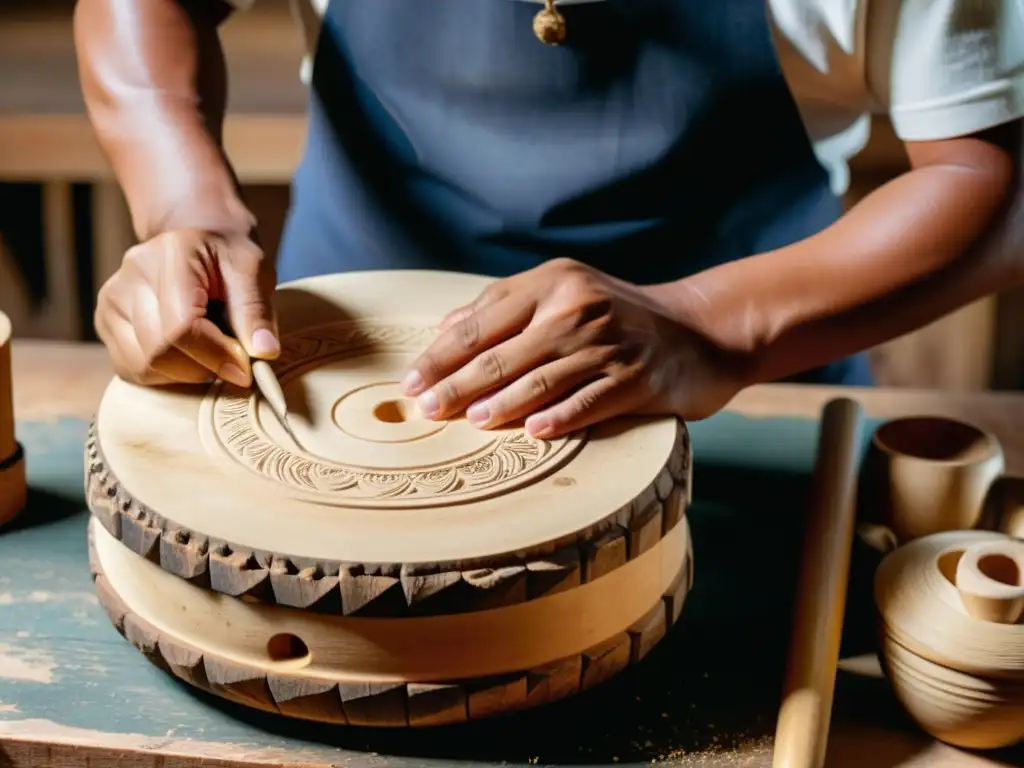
{"x": 152, "y": 314}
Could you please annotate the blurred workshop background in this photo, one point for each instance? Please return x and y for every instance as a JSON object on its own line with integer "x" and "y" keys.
{"x": 64, "y": 225}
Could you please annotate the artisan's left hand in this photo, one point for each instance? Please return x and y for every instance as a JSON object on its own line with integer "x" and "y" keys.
{"x": 568, "y": 346}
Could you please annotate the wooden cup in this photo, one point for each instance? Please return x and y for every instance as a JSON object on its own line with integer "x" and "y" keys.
{"x": 1004, "y": 507}
{"x": 928, "y": 474}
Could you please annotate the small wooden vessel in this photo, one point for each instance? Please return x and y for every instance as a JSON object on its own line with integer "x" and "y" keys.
{"x": 949, "y": 606}
{"x": 13, "y": 486}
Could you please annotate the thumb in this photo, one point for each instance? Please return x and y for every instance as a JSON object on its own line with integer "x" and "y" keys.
{"x": 249, "y": 282}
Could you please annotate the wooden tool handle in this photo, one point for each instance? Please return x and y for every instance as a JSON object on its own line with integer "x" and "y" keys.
{"x": 7, "y": 441}
{"x": 801, "y": 734}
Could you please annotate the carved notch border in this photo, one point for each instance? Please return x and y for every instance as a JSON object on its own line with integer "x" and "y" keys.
{"x": 374, "y": 589}
{"x": 394, "y": 704}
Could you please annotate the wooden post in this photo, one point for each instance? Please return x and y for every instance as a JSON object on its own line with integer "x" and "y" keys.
{"x": 112, "y": 230}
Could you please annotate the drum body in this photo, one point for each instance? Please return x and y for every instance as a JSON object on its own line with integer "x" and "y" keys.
{"x": 373, "y": 566}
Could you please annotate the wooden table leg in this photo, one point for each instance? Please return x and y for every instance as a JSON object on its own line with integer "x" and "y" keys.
{"x": 58, "y": 316}
{"x": 63, "y": 309}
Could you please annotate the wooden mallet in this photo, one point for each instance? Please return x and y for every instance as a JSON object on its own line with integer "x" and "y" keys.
{"x": 801, "y": 735}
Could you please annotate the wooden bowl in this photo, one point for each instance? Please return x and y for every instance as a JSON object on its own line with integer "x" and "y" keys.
{"x": 949, "y": 641}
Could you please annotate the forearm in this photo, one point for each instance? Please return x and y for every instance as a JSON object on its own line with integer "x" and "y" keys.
{"x": 154, "y": 81}
{"x": 923, "y": 245}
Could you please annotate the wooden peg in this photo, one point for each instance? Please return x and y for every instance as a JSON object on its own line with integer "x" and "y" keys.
{"x": 990, "y": 579}
{"x": 801, "y": 735}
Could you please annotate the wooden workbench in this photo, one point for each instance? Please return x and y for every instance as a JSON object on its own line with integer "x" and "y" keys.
{"x": 74, "y": 693}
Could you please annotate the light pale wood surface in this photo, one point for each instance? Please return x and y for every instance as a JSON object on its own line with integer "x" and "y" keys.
{"x": 44, "y": 372}
{"x": 926, "y": 475}
{"x": 55, "y": 380}
{"x": 962, "y": 683}
{"x": 346, "y": 342}
{"x": 623, "y": 614}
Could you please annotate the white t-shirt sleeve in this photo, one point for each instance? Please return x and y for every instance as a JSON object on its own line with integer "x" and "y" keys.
{"x": 945, "y": 68}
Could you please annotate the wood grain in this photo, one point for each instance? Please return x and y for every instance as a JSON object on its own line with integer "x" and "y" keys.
{"x": 371, "y": 588}
{"x": 686, "y": 713}
{"x": 379, "y": 704}
{"x": 44, "y": 369}
{"x": 801, "y": 737}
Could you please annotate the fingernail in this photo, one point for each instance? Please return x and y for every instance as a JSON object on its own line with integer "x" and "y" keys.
{"x": 428, "y": 404}
{"x": 264, "y": 344}
{"x": 232, "y": 373}
{"x": 478, "y": 414}
{"x": 539, "y": 427}
{"x": 412, "y": 384}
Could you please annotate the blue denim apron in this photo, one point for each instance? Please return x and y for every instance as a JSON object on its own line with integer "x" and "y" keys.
{"x": 659, "y": 140}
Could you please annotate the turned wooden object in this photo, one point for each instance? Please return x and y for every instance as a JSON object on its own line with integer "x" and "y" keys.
{"x": 928, "y": 474}
{"x": 990, "y": 579}
{"x": 366, "y": 560}
{"x": 13, "y": 486}
{"x": 952, "y": 643}
{"x": 801, "y": 736}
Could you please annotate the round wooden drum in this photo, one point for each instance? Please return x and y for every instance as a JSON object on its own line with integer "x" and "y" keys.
{"x": 375, "y": 567}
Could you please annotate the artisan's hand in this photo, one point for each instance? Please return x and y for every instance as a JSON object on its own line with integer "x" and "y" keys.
{"x": 567, "y": 346}
{"x": 152, "y": 314}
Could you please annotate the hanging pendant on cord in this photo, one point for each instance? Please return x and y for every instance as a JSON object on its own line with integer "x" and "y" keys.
{"x": 549, "y": 24}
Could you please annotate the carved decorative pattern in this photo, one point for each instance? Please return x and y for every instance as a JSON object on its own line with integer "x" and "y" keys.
{"x": 290, "y": 579}
{"x": 391, "y": 704}
{"x": 506, "y": 458}
{"x": 340, "y": 340}
{"x": 502, "y": 458}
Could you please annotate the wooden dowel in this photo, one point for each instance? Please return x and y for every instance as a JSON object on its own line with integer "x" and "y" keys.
{"x": 801, "y": 735}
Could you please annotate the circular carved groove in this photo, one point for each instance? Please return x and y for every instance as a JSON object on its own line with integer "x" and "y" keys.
{"x": 421, "y": 463}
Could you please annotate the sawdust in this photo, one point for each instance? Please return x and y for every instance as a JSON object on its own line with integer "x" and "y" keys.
{"x": 726, "y": 752}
